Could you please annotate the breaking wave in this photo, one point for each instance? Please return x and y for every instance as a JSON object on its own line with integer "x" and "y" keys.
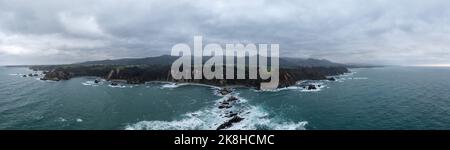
{"x": 301, "y": 86}
{"x": 254, "y": 117}
{"x": 206, "y": 120}
{"x": 103, "y": 82}
{"x": 317, "y": 86}
{"x": 358, "y": 78}
{"x": 210, "y": 118}
{"x": 91, "y": 83}
{"x": 172, "y": 85}
{"x": 120, "y": 86}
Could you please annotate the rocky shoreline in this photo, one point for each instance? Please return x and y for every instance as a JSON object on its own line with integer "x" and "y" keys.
{"x": 225, "y": 105}
{"x": 142, "y": 74}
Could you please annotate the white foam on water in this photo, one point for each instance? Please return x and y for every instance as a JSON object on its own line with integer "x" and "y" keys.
{"x": 294, "y": 87}
{"x": 348, "y": 74}
{"x": 119, "y": 86}
{"x": 280, "y": 89}
{"x": 171, "y": 85}
{"x": 300, "y": 86}
{"x": 257, "y": 118}
{"x": 212, "y": 117}
{"x": 208, "y": 119}
{"x": 340, "y": 79}
{"x": 187, "y": 123}
{"x": 204, "y": 85}
{"x": 88, "y": 83}
{"x": 61, "y": 119}
{"x": 49, "y": 81}
{"x": 358, "y": 78}
{"x": 319, "y": 86}
{"x": 79, "y": 120}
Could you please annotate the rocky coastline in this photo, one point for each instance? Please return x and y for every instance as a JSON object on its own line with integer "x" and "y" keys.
{"x": 139, "y": 74}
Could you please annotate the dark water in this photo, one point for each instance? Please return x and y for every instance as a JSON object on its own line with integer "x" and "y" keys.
{"x": 376, "y": 98}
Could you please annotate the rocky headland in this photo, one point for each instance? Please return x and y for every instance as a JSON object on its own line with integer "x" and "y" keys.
{"x": 141, "y": 72}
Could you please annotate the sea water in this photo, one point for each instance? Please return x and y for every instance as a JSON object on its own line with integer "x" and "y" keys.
{"x": 367, "y": 98}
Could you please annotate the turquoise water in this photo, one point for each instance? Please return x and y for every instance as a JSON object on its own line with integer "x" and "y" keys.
{"x": 375, "y": 98}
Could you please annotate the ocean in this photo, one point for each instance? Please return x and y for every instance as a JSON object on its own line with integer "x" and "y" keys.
{"x": 405, "y": 98}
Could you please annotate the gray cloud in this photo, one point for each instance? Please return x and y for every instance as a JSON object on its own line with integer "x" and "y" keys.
{"x": 375, "y": 31}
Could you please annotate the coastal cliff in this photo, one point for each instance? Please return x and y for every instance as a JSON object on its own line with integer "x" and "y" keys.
{"x": 142, "y": 74}
{"x": 139, "y": 72}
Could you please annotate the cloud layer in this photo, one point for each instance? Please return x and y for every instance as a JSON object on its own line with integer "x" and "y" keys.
{"x": 374, "y": 31}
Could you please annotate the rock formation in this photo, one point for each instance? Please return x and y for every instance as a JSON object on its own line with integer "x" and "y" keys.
{"x": 230, "y": 122}
{"x": 138, "y": 74}
{"x": 57, "y": 75}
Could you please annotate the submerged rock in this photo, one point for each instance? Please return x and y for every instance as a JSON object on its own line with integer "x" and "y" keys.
{"x": 230, "y": 122}
{"x": 225, "y": 91}
{"x": 231, "y": 114}
{"x": 96, "y": 81}
{"x": 24, "y": 76}
{"x": 114, "y": 84}
{"x": 311, "y": 87}
{"x": 224, "y": 106}
{"x": 228, "y": 103}
{"x": 231, "y": 99}
{"x": 331, "y": 79}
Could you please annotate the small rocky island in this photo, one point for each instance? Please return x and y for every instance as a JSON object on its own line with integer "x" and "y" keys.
{"x": 138, "y": 71}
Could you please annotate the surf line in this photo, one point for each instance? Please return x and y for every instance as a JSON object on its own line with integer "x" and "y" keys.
{"x": 188, "y": 140}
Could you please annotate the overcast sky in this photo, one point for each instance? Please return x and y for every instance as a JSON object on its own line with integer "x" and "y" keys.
{"x": 364, "y": 31}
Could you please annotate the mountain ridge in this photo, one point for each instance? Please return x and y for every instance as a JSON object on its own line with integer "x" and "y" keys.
{"x": 167, "y": 60}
